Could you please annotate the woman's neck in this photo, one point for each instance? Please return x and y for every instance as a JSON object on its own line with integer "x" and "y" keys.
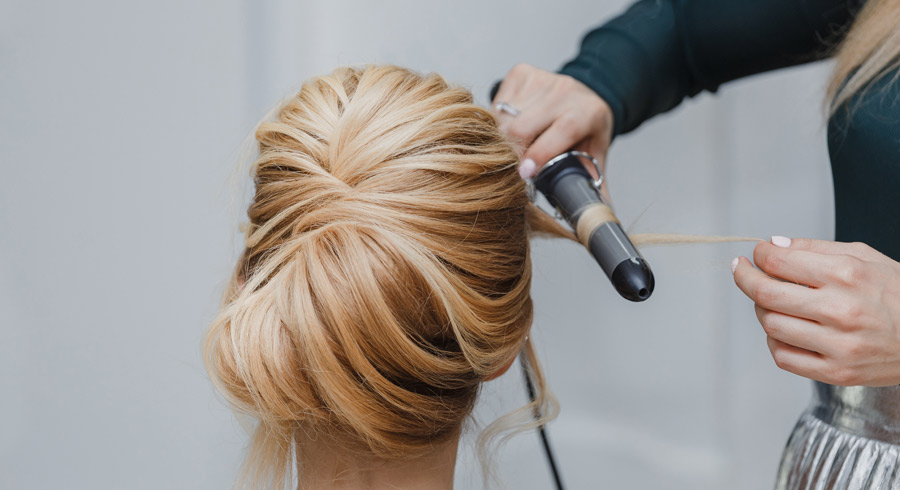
{"x": 325, "y": 468}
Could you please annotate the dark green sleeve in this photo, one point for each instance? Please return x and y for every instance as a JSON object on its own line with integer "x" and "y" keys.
{"x": 647, "y": 60}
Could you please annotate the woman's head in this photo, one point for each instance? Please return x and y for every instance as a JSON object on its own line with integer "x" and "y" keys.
{"x": 386, "y": 271}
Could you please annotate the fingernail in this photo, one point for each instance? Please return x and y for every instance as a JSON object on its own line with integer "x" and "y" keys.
{"x": 734, "y": 264}
{"x": 781, "y": 241}
{"x": 527, "y": 168}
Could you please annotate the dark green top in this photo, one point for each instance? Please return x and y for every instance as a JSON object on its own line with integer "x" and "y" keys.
{"x": 647, "y": 60}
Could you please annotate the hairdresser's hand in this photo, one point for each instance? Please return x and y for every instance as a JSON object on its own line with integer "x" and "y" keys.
{"x": 556, "y": 113}
{"x": 844, "y": 328}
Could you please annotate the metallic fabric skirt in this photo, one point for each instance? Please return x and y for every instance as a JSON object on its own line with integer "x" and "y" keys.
{"x": 849, "y": 438}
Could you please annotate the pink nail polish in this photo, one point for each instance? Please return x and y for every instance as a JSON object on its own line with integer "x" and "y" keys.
{"x": 734, "y": 264}
{"x": 527, "y": 168}
{"x": 781, "y": 241}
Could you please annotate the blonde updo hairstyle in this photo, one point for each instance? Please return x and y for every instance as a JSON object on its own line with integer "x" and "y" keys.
{"x": 385, "y": 274}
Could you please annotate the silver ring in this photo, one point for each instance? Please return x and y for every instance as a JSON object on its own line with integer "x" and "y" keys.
{"x": 501, "y": 106}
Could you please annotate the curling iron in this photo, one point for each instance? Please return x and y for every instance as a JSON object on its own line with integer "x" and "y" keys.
{"x": 569, "y": 188}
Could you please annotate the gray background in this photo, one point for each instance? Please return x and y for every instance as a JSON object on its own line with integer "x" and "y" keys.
{"x": 120, "y": 123}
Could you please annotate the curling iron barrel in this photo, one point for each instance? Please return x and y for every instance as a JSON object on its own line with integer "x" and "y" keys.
{"x": 568, "y": 186}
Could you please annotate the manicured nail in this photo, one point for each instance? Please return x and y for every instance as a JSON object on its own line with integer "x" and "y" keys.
{"x": 781, "y": 241}
{"x": 527, "y": 168}
{"x": 734, "y": 264}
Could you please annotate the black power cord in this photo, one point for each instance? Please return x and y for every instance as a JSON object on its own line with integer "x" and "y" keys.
{"x": 537, "y": 415}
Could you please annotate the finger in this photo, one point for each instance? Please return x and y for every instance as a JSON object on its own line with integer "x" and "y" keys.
{"x": 856, "y": 249}
{"x": 798, "y": 361}
{"x": 799, "y": 266}
{"x": 783, "y": 297}
{"x": 798, "y": 332}
{"x": 504, "y": 116}
{"x": 503, "y": 93}
{"x": 562, "y": 135}
{"x": 534, "y": 118}
{"x": 510, "y": 85}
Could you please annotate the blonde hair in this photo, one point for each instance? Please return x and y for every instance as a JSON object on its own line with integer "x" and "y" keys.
{"x": 386, "y": 271}
{"x": 870, "y": 50}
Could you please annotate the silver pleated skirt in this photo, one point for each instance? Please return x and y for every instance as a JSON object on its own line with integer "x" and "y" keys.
{"x": 849, "y": 438}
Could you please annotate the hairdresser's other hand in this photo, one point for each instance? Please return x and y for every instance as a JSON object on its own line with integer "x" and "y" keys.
{"x": 556, "y": 113}
{"x": 831, "y": 310}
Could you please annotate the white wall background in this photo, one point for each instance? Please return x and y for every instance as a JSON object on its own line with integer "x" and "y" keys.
{"x": 120, "y": 123}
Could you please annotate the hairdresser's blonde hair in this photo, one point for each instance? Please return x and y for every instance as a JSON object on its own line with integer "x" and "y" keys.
{"x": 870, "y": 50}
{"x": 386, "y": 272}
